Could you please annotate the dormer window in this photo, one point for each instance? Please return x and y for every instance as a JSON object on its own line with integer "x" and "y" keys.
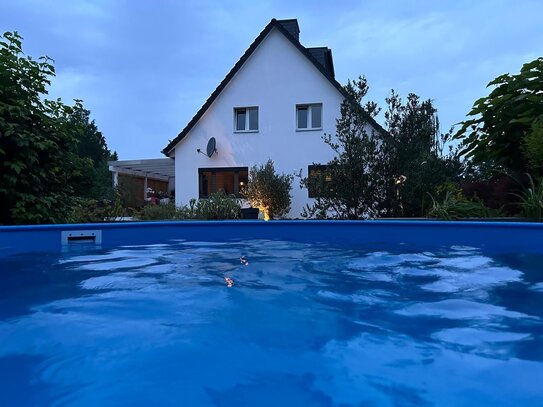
{"x": 309, "y": 117}
{"x": 246, "y": 119}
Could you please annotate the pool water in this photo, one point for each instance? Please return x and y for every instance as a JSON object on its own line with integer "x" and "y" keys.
{"x": 271, "y": 323}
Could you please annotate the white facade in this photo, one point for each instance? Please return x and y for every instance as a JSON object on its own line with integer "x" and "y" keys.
{"x": 276, "y": 77}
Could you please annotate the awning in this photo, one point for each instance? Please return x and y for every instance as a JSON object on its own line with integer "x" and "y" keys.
{"x": 156, "y": 168}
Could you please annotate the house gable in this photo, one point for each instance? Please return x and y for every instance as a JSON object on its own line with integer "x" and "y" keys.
{"x": 320, "y": 58}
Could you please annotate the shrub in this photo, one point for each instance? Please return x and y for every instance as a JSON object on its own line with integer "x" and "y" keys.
{"x": 454, "y": 207}
{"x": 531, "y": 200}
{"x": 533, "y": 147}
{"x": 160, "y": 212}
{"x": 92, "y": 210}
{"x": 269, "y": 191}
{"x": 499, "y": 191}
{"x": 217, "y": 206}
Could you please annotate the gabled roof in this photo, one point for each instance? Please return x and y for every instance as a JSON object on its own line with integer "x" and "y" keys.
{"x": 320, "y": 57}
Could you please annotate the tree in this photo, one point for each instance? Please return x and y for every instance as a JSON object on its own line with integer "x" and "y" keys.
{"x": 352, "y": 184}
{"x": 532, "y": 147}
{"x": 269, "y": 191}
{"x": 49, "y": 152}
{"x": 93, "y": 179}
{"x": 414, "y": 150}
{"x": 35, "y": 148}
{"x": 495, "y": 133}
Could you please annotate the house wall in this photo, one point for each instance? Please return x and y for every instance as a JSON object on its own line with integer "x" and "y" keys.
{"x": 275, "y": 78}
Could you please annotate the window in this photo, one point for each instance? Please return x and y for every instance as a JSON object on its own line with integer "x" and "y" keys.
{"x": 309, "y": 117}
{"x": 317, "y": 180}
{"x": 246, "y": 119}
{"x": 231, "y": 180}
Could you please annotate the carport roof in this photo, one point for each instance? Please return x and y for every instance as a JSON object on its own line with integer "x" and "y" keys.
{"x": 154, "y": 168}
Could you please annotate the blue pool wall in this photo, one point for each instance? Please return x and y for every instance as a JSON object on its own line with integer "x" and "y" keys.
{"x": 510, "y": 236}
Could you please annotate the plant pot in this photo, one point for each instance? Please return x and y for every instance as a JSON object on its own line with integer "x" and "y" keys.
{"x": 249, "y": 213}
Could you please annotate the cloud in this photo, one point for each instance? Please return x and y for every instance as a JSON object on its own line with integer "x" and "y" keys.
{"x": 145, "y": 68}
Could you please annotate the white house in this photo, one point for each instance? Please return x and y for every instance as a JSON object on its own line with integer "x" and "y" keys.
{"x": 277, "y": 102}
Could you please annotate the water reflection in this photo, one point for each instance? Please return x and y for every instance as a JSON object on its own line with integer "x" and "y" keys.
{"x": 305, "y": 325}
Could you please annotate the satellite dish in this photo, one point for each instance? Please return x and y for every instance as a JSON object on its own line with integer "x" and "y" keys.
{"x": 211, "y": 147}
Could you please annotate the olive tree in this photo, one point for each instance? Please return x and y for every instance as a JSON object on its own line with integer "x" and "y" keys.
{"x": 269, "y": 191}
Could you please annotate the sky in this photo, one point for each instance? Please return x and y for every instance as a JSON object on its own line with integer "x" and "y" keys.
{"x": 143, "y": 68}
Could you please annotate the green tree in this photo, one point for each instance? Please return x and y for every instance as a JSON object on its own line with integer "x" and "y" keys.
{"x": 50, "y": 153}
{"x": 93, "y": 178}
{"x": 35, "y": 148}
{"x": 532, "y": 147}
{"x": 415, "y": 160}
{"x": 495, "y": 133}
{"x": 269, "y": 191}
{"x": 352, "y": 184}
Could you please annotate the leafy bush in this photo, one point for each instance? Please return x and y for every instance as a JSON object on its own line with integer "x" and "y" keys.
{"x": 92, "y": 210}
{"x": 494, "y": 133}
{"x": 499, "y": 191}
{"x": 218, "y": 206}
{"x": 269, "y": 191}
{"x": 533, "y": 146}
{"x": 161, "y": 212}
{"x": 49, "y": 152}
{"x": 531, "y": 200}
{"x": 454, "y": 207}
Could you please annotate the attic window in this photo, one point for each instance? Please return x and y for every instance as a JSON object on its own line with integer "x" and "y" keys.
{"x": 309, "y": 117}
{"x": 246, "y": 119}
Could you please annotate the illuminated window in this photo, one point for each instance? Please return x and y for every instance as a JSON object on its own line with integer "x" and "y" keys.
{"x": 246, "y": 119}
{"x": 231, "y": 180}
{"x": 318, "y": 179}
{"x": 309, "y": 117}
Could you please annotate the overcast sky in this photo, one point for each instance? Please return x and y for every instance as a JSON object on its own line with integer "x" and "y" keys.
{"x": 144, "y": 68}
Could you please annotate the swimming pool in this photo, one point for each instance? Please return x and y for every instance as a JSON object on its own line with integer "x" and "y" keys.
{"x": 286, "y": 313}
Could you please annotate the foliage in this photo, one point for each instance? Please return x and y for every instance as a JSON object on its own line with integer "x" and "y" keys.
{"x": 162, "y": 212}
{"x": 498, "y": 124}
{"x": 531, "y": 200}
{"x": 91, "y": 210}
{"x": 34, "y": 146}
{"x": 352, "y": 183}
{"x": 498, "y": 191}
{"x": 454, "y": 207}
{"x": 532, "y": 147}
{"x": 416, "y": 163}
{"x": 40, "y": 143}
{"x": 269, "y": 191}
{"x": 94, "y": 179}
{"x": 401, "y": 166}
{"x": 218, "y": 206}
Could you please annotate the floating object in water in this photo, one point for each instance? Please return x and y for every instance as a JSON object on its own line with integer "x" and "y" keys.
{"x": 243, "y": 260}
{"x": 229, "y": 282}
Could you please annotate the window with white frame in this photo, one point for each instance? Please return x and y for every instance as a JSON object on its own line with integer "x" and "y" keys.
{"x": 246, "y": 119}
{"x": 309, "y": 117}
